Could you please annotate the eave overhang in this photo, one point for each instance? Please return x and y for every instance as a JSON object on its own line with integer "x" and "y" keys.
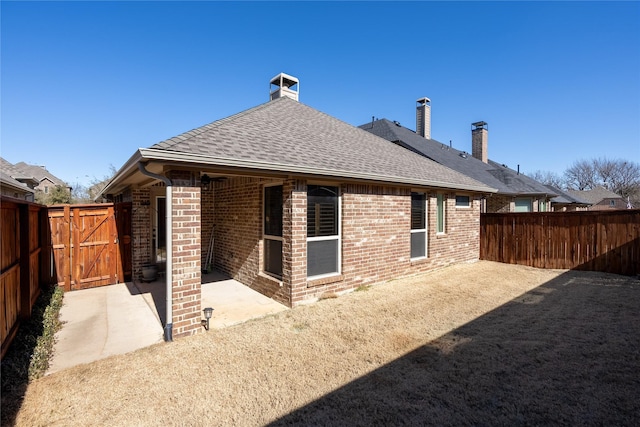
{"x": 125, "y": 176}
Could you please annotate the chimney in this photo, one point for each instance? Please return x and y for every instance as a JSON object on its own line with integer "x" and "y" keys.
{"x": 480, "y": 141}
{"x": 423, "y": 117}
{"x": 284, "y": 85}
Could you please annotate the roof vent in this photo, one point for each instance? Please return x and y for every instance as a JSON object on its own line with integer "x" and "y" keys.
{"x": 397, "y": 123}
{"x": 284, "y": 85}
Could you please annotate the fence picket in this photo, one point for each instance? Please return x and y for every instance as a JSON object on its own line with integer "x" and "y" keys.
{"x": 594, "y": 240}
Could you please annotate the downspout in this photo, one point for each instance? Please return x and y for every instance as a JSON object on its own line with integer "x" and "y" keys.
{"x": 168, "y": 327}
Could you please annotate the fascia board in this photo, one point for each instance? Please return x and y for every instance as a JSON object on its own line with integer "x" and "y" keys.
{"x": 173, "y": 156}
{"x": 125, "y": 170}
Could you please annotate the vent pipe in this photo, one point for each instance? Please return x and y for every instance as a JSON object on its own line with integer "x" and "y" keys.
{"x": 168, "y": 327}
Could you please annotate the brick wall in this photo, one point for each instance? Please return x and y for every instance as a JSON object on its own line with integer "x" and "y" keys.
{"x": 186, "y": 268}
{"x": 461, "y": 240}
{"x": 140, "y": 229}
{"x": 605, "y": 205}
{"x": 376, "y": 239}
{"x": 296, "y": 242}
{"x": 294, "y": 245}
{"x": 208, "y": 221}
{"x": 237, "y": 216}
{"x": 499, "y": 204}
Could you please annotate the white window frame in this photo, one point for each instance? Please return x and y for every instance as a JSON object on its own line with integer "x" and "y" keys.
{"x": 268, "y": 236}
{"x": 444, "y": 214}
{"x": 325, "y": 238}
{"x": 421, "y": 230}
{"x": 467, "y": 205}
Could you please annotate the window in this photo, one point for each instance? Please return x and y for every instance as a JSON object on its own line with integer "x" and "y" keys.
{"x": 612, "y": 203}
{"x": 418, "y": 225}
{"x": 463, "y": 202}
{"x": 323, "y": 230}
{"x": 272, "y": 226}
{"x": 523, "y": 204}
{"x": 440, "y": 212}
{"x": 543, "y": 205}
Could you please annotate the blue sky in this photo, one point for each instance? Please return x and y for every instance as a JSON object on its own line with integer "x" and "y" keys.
{"x": 84, "y": 84}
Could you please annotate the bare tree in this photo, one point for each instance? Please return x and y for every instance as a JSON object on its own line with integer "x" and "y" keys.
{"x": 581, "y": 175}
{"x": 617, "y": 175}
{"x": 605, "y": 171}
{"x": 548, "y": 178}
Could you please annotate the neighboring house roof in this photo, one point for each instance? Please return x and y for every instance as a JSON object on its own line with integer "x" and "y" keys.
{"x": 495, "y": 175}
{"x": 565, "y": 198}
{"x": 38, "y": 172}
{"x": 595, "y": 196}
{"x": 13, "y": 172}
{"x": 286, "y": 136}
{"x": 30, "y": 174}
{"x": 7, "y": 181}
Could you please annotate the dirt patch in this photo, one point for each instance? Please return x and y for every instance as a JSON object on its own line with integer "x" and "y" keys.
{"x": 482, "y": 344}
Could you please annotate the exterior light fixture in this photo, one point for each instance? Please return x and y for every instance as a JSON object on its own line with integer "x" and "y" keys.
{"x": 205, "y": 180}
{"x": 208, "y": 312}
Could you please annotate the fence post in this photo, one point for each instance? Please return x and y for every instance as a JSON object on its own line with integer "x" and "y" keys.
{"x": 67, "y": 247}
{"x": 25, "y": 262}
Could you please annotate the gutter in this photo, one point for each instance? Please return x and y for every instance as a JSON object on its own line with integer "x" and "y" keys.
{"x": 168, "y": 327}
{"x": 164, "y": 155}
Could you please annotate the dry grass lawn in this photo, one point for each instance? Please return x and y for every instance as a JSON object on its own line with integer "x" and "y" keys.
{"x": 474, "y": 344}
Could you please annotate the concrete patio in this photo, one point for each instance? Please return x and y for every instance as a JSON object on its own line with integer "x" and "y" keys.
{"x": 118, "y": 319}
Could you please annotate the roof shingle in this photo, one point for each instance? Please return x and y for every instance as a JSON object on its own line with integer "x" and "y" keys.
{"x": 505, "y": 180}
{"x": 289, "y": 134}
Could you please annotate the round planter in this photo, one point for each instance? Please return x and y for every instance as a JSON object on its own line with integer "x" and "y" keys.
{"x": 149, "y": 273}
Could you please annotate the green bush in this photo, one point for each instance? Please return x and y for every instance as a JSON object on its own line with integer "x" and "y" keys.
{"x": 30, "y": 352}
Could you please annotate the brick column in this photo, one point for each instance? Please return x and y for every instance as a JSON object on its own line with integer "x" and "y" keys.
{"x": 186, "y": 269}
{"x": 141, "y": 219}
{"x": 294, "y": 245}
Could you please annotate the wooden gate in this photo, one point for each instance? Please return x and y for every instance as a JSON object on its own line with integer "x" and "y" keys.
{"x": 91, "y": 244}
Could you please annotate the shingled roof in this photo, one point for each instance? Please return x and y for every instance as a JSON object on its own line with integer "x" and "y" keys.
{"x": 287, "y": 136}
{"x": 38, "y": 172}
{"x": 595, "y": 195}
{"x": 493, "y": 174}
{"x": 565, "y": 198}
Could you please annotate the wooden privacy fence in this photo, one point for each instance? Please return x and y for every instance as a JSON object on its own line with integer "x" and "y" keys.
{"x": 593, "y": 240}
{"x": 91, "y": 244}
{"x": 23, "y": 261}
{"x": 75, "y": 246}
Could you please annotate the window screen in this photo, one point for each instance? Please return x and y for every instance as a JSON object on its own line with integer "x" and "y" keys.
{"x": 463, "y": 202}
{"x": 323, "y": 239}
{"x": 440, "y": 214}
{"x": 272, "y": 223}
{"x": 418, "y": 225}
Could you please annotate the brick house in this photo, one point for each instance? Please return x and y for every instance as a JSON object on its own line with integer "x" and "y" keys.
{"x": 11, "y": 187}
{"x": 296, "y": 204}
{"x": 516, "y": 192}
{"x": 600, "y": 199}
{"x": 36, "y": 177}
{"x": 564, "y": 202}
